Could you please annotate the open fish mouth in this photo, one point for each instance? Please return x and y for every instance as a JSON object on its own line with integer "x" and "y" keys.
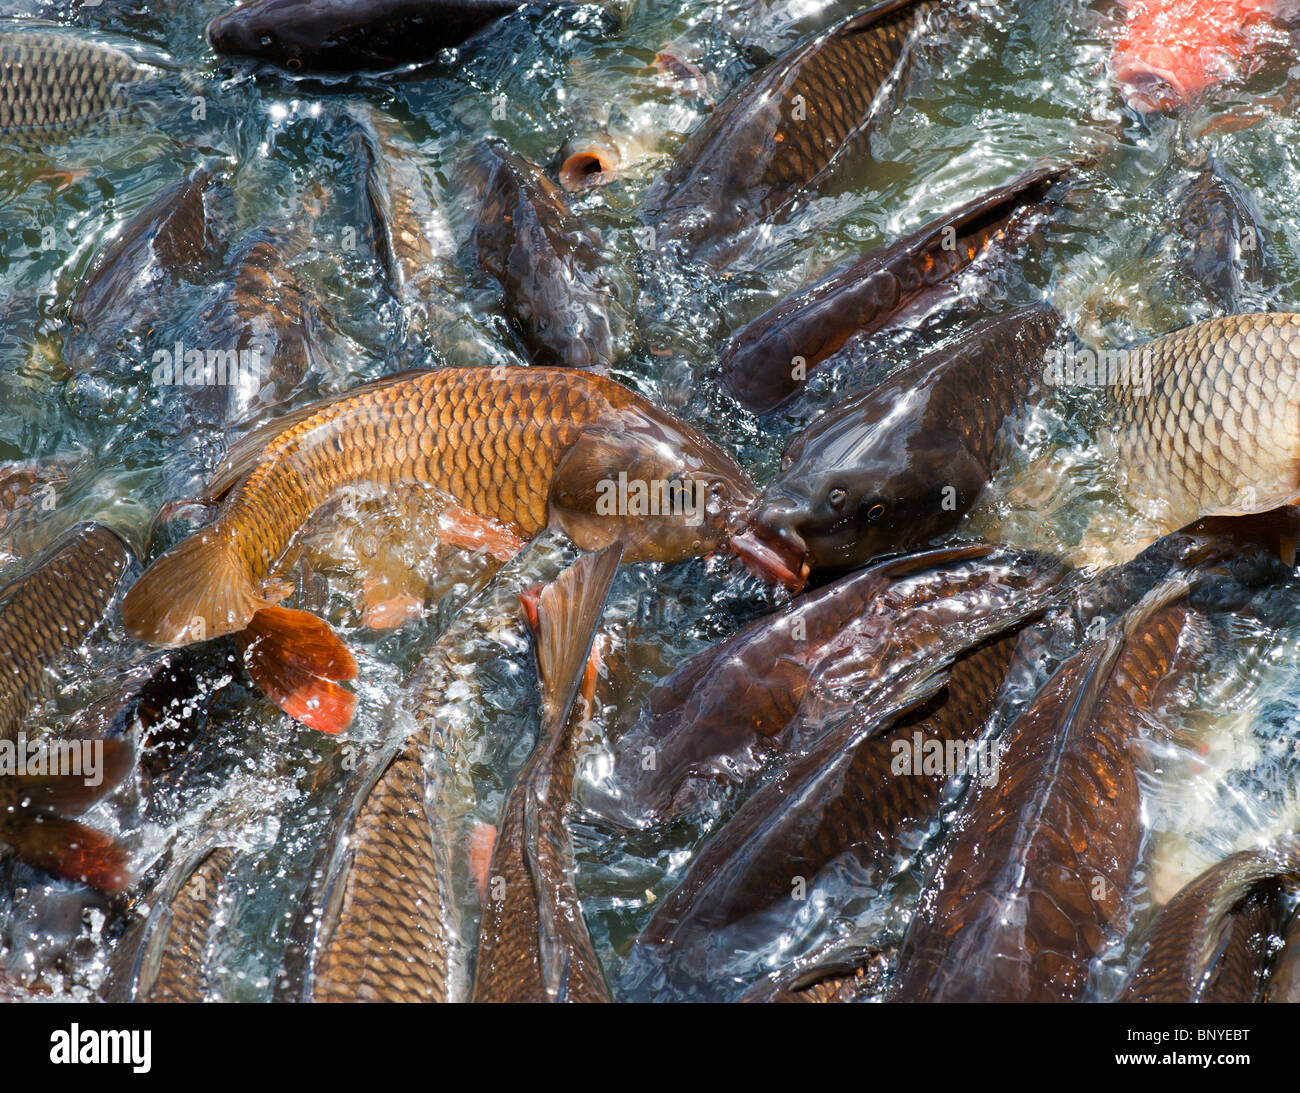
{"x": 1148, "y": 88}
{"x": 783, "y": 560}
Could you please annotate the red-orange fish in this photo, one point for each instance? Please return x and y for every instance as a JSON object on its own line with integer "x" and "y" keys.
{"x": 1174, "y": 49}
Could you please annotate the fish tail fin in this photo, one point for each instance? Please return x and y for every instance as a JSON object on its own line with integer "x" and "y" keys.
{"x": 568, "y": 613}
{"x": 296, "y": 659}
{"x": 75, "y": 793}
{"x": 197, "y": 590}
{"x": 67, "y": 849}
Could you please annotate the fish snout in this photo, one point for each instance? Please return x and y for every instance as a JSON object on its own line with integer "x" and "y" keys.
{"x": 771, "y": 545}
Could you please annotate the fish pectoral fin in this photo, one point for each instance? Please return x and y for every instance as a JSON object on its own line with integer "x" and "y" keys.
{"x": 296, "y": 659}
{"x": 67, "y": 849}
{"x": 463, "y": 528}
{"x": 568, "y": 612}
{"x": 73, "y": 793}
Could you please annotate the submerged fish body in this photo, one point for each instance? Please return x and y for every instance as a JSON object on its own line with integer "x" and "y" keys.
{"x": 894, "y": 467}
{"x": 774, "y": 686}
{"x": 56, "y": 81}
{"x": 29, "y": 492}
{"x": 546, "y": 261}
{"x": 413, "y": 237}
{"x": 1210, "y": 943}
{"x": 767, "y": 361}
{"x": 170, "y": 948}
{"x": 1036, "y": 873}
{"x": 1206, "y": 421}
{"x": 1226, "y": 248}
{"x": 533, "y": 941}
{"x": 267, "y": 333}
{"x": 348, "y": 35}
{"x": 44, "y": 615}
{"x": 133, "y": 281}
{"x": 776, "y": 137}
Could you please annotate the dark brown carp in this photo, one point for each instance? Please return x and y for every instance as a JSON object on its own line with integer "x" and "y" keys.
{"x": 767, "y": 361}
{"x": 171, "y": 947}
{"x": 132, "y": 283}
{"x": 1225, "y": 246}
{"x": 901, "y": 464}
{"x": 1037, "y": 870}
{"x": 513, "y": 450}
{"x": 1284, "y": 977}
{"x": 775, "y": 139}
{"x": 533, "y": 941}
{"x": 841, "y": 803}
{"x": 347, "y": 35}
{"x": 44, "y": 615}
{"x": 1205, "y": 422}
{"x": 55, "y": 81}
{"x": 1210, "y": 943}
{"x": 771, "y": 687}
{"x": 546, "y": 261}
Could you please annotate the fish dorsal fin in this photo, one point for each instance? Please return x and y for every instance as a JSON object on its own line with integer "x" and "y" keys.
{"x": 245, "y": 453}
{"x": 568, "y": 614}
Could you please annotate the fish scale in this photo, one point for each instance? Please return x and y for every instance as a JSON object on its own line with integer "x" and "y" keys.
{"x": 51, "y": 80}
{"x": 384, "y": 949}
{"x": 1218, "y": 432}
{"x": 50, "y": 609}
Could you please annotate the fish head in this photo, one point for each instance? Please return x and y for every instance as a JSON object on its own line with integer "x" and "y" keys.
{"x": 641, "y": 477}
{"x": 291, "y": 33}
{"x": 854, "y": 486}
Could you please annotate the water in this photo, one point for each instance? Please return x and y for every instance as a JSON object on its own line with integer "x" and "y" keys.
{"x": 1012, "y": 84}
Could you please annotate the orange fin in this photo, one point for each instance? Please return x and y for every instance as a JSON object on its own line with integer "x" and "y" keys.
{"x": 70, "y": 792}
{"x": 528, "y": 600}
{"x": 482, "y": 841}
{"x": 389, "y": 612}
{"x": 68, "y": 849}
{"x": 568, "y": 612}
{"x": 463, "y": 528}
{"x": 196, "y": 591}
{"x": 295, "y": 658}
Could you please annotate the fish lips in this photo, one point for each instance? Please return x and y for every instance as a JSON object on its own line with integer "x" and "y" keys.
{"x": 1149, "y": 88}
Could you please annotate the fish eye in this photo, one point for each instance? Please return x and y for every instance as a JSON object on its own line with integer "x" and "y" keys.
{"x": 293, "y": 64}
{"x": 873, "y": 509}
{"x": 836, "y": 498}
